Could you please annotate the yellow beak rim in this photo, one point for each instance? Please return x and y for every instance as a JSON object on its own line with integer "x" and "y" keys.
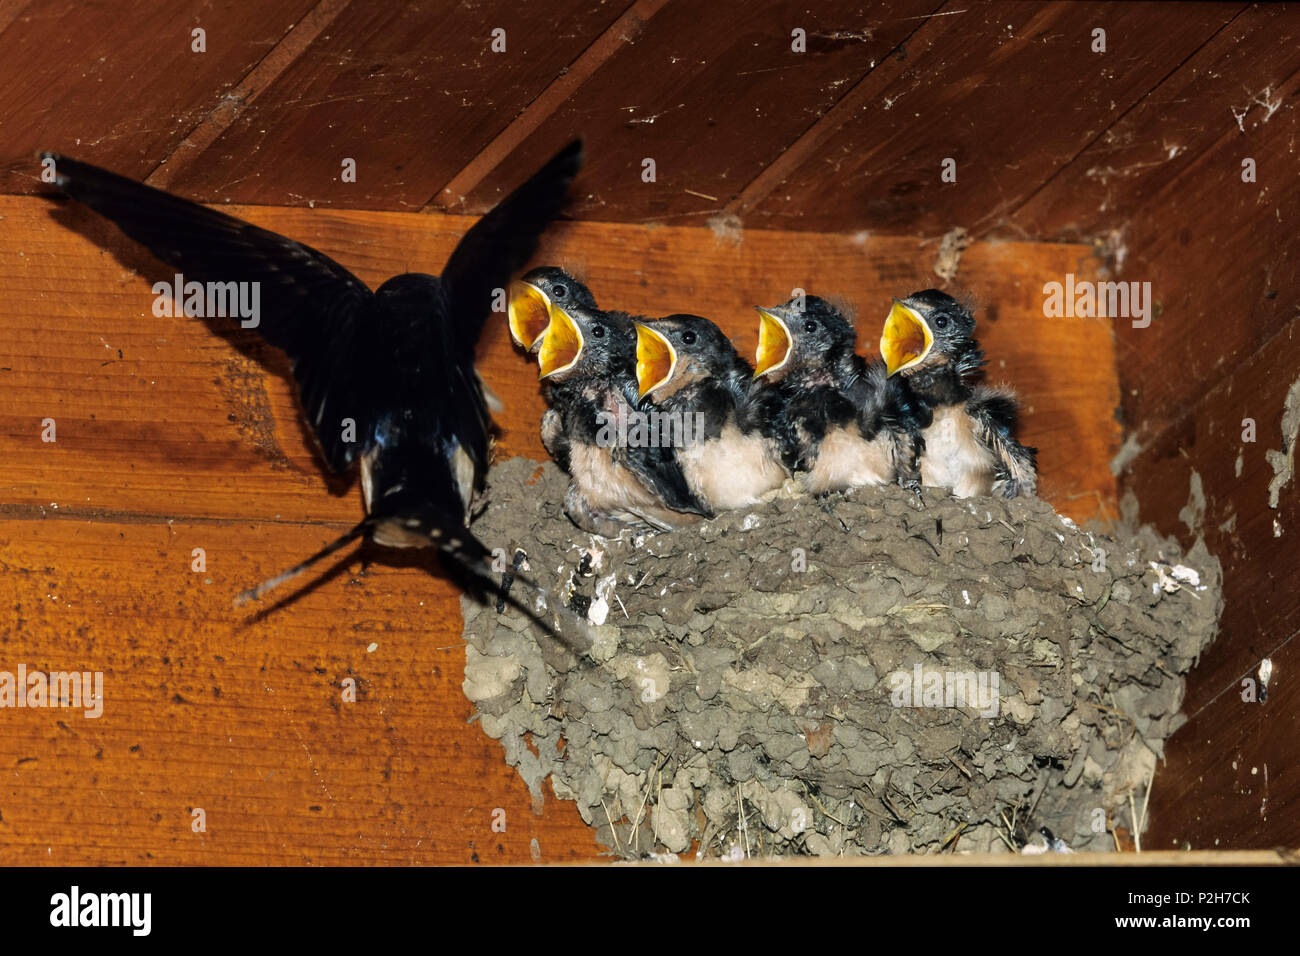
{"x": 562, "y": 344}
{"x": 906, "y": 339}
{"x": 656, "y": 360}
{"x": 775, "y": 344}
{"x": 528, "y": 314}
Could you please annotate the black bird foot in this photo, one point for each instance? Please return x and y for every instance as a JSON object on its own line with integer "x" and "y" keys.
{"x": 508, "y": 579}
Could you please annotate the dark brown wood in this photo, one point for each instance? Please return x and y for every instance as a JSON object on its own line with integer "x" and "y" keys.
{"x": 1156, "y": 143}
{"x": 1214, "y": 789}
{"x": 1009, "y": 91}
{"x": 1222, "y": 256}
{"x": 1223, "y": 265}
{"x": 712, "y": 93}
{"x": 411, "y": 92}
{"x": 118, "y": 84}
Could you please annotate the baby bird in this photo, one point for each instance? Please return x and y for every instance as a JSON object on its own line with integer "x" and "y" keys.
{"x": 836, "y": 415}
{"x": 691, "y": 374}
{"x": 968, "y": 431}
{"x": 531, "y": 297}
{"x": 586, "y": 361}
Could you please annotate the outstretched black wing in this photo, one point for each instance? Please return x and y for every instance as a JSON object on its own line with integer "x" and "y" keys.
{"x": 307, "y": 304}
{"x": 502, "y": 241}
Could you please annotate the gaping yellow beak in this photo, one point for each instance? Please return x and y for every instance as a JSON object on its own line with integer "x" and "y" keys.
{"x": 529, "y": 314}
{"x": 561, "y": 345}
{"x": 774, "y": 343}
{"x": 656, "y": 360}
{"x": 906, "y": 339}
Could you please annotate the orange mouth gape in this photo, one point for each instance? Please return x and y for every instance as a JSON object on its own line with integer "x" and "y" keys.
{"x": 561, "y": 346}
{"x": 656, "y": 360}
{"x": 774, "y": 343}
{"x": 906, "y": 339}
{"x": 529, "y": 313}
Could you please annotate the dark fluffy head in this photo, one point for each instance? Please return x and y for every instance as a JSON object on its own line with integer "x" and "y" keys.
{"x": 534, "y": 295}
{"x": 794, "y": 340}
{"x": 587, "y": 341}
{"x": 928, "y": 332}
{"x": 680, "y": 350}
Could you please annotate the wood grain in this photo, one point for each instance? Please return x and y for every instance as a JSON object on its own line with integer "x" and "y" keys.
{"x": 1231, "y": 778}
{"x": 118, "y": 84}
{"x": 410, "y": 91}
{"x": 1010, "y": 91}
{"x": 713, "y": 93}
{"x": 1222, "y": 257}
{"x": 1148, "y": 149}
{"x": 172, "y": 437}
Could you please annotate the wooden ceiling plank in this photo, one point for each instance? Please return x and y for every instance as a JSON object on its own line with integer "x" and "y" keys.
{"x": 986, "y": 90}
{"x": 302, "y": 35}
{"x": 1048, "y": 191}
{"x": 120, "y": 84}
{"x": 451, "y": 198}
{"x": 1211, "y": 791}
{"x": 409, "y": 92}
{"x": 1138, "y": 157}
{"x": 798, "y": 152}
{"x": 712, "y": 94}
{"x": 1221, "y": 263}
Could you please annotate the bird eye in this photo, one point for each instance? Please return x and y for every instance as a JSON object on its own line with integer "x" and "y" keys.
{"x": 941, "y": 322}
{"x": 598, "y": 331}
{"x": 688, "y": 337}
{"x": 810, "y": 326}
{"x": 559, "y": 291}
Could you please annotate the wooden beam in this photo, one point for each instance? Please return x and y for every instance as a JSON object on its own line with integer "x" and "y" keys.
{"x": 172, "y": 437}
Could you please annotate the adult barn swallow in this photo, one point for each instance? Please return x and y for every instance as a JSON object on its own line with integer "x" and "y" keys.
{"x": 690, "y": 373}
{"x": 968, "y": 431}
{"x": 386, "y": 377}
{"x": 531, "y": 297}
{"x": 587, "y": 362}
{"x": 836, "y": 414}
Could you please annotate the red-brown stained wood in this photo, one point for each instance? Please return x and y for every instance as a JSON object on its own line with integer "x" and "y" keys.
{"x": 185, "y": 441}
{"x": 712, "y": 93}
{"x": 118, "y": 84}
{"x": 411, "y": 92}
{"x": 1222, "y": 257}
{"x": 1231, "y": 778}
{"x": 210, "y": 708}
{"x": 1148, "y": 151}
{"x": 1223, "y": 260}
{"x": 1010, "y": 91}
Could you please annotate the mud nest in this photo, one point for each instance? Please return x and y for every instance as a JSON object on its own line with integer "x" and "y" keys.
{"x": 870, "y": 674}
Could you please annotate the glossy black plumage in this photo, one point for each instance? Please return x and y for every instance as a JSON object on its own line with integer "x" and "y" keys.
{"x": 841, "y": 422}
{"x": 386, "y": 378}
{"x": 692, "y": 376}
{"x": 967, "y": 429}
{"x": 589, "y": 383}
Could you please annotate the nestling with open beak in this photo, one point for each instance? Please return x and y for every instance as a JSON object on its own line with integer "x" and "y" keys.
{"x": 836, "y": 414}
{"x": 968, "y": 430}
{"x": 691, "y": 374}
{"x": 531, "y": 296}
{"x": 587, "y": 362}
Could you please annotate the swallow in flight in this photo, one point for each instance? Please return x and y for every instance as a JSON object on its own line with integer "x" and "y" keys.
{"x": 386, "y": 377}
